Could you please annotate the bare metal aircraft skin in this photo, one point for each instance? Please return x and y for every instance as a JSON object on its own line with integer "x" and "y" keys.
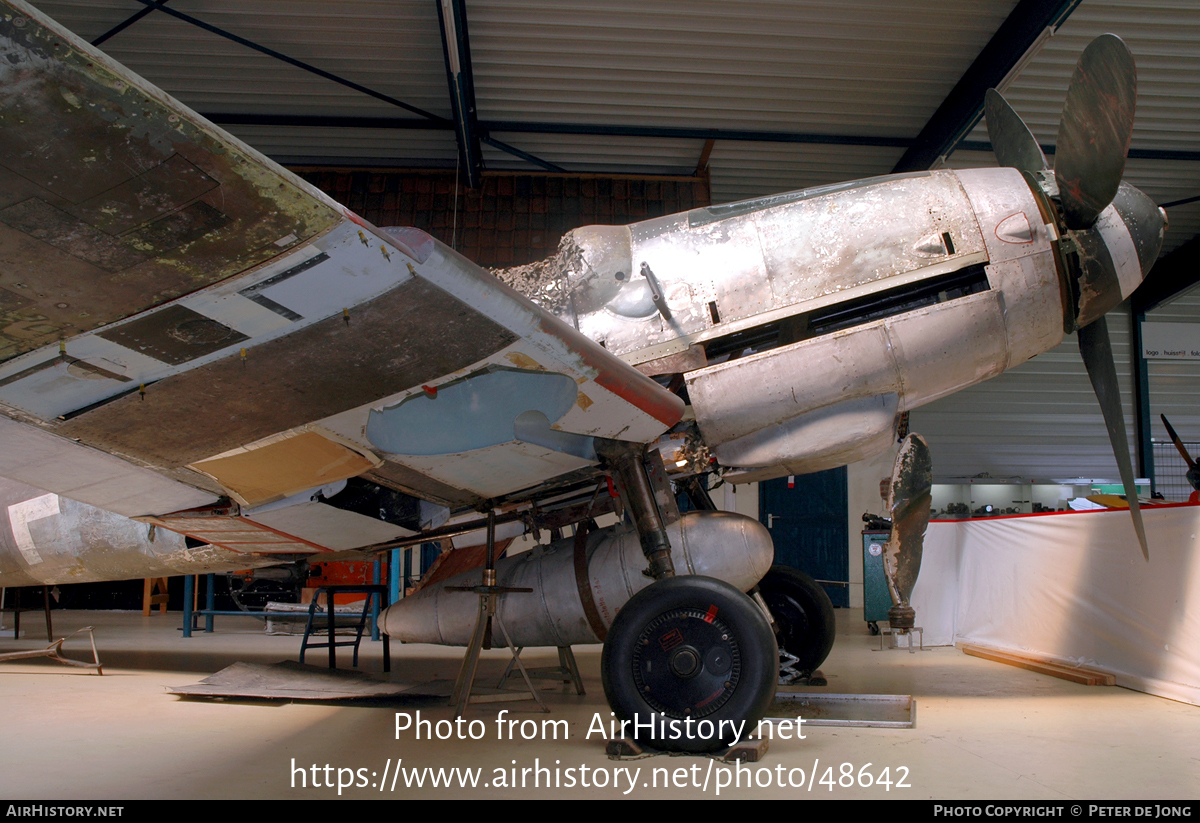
{"x": 884, "y": 294}
{"x": 193, "y": 337}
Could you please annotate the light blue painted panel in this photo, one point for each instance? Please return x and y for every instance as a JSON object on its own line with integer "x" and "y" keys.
{"x": 475, "y": 413}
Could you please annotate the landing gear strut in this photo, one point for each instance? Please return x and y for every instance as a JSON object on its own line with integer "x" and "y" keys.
{"x": 691, "y": 660}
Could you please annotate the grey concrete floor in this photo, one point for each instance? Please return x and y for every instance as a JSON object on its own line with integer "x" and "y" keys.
{"x": 984, "y": 730}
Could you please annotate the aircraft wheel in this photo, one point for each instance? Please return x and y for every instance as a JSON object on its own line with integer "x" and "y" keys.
{"x": 695, "y": 657}
{"x": 803, "y": 614}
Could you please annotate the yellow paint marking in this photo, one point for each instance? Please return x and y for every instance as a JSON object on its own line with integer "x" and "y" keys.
{"x": 523, "y": 361}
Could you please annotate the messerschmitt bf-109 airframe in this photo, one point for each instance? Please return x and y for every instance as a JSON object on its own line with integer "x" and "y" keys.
{"x": 200, "y": 341}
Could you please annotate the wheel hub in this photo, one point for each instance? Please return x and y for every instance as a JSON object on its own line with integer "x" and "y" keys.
{"x": 686, "y": 662}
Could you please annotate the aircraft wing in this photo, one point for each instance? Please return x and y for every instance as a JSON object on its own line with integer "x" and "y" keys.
{"x": 182, "y": 320}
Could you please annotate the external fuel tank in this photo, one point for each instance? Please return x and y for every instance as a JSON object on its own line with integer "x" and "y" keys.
{"x": 730, "y": 547}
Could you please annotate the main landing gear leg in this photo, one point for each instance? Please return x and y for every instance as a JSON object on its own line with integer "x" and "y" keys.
{"x": 690, "y": 660}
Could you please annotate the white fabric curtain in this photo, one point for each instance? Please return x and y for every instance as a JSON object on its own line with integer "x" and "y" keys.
{"x": 1073, "y": 587}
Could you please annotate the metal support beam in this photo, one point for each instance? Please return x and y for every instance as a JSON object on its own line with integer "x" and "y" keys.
{"x": 963, "y": 106}
{"x": 127, "y": 22}
{"x": 705, "y": 154}
{"x": 524, "y": 155}
{"x": 456, "y": 50}
{"x": 520, "y": 127}
{"x": 685, "y": 133}
{"x": 523, "y": 127}
{"x": 486, "y": 127}
{"x": 1141, "y": 400}
{"x": 441, "y": 122}
{"x": 1133, "y": 154}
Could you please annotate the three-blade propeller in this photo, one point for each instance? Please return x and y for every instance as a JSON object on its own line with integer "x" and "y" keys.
{"x": 1093, "y": 139}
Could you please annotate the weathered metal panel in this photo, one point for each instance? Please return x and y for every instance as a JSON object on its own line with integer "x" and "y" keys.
{"x": 38, "y": 458}
{"x": 348, "y": 318}
{"x": 947, "y": 347}
{"x": 401, "y": 478}
{"x": 239, "y": 535}
{"x": 830, "y": 399}
{"x": 329, "y": 527}
{"x": 495, "y": 470}
{"x": 48, "y": 539}
{"x": 271, "y": 471}
{"x": 832, "y": 435}
{"x": 743, "y": 396}
{"x": 174, "y": 335}
{"x": 866, "y": 232}
{"x": 143, "y": 204}
{"x": 414, "y": 334}
{"x": 722, "y": 266}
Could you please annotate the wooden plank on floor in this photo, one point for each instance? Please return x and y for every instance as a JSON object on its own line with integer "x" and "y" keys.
{"x": 1042, "y": 665}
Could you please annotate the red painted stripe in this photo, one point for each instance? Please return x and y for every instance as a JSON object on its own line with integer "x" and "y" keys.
{"x": 711, "y": 615}
{"x": 1052, "y": 514}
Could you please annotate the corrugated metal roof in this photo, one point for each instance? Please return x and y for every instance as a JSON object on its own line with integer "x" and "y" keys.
{"x": 1164, "y": 36}
{"x": 857, "y": 68}
{"x": 639, "y": 155}
{"x": 832, "y": 66}
{"x": 391, "y": 46}
{"x": 400, "y": 148}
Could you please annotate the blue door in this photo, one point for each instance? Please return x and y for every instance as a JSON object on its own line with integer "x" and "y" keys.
{"x": 808, "y": 523}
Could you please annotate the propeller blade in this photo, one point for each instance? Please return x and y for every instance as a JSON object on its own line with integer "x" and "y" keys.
{"x": 1096, "y": 126}
{"x": 1011, "y": 139}
{"x": 1096, "y": 349}
{"x": 908, "y": 502}
{"x": 1187, "y": 458}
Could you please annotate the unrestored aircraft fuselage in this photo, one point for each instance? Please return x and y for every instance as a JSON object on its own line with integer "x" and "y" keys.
{"x": 805, "y": 323}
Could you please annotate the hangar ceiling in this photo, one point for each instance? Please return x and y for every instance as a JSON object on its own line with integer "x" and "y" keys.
{"x": 792, "y": 94}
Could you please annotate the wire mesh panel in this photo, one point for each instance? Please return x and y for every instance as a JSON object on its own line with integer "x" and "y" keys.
{"x": 1170, "y": 471}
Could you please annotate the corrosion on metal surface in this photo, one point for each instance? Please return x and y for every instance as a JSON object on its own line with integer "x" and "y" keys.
{"x": 411, "y": 335}
{"x": 113, "y": 197}
{"x": 909, "y": 499}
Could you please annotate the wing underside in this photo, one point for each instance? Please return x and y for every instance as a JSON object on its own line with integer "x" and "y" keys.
{"x": 174, "y": 301}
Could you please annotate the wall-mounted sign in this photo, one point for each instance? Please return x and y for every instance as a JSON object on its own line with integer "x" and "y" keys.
{"x": 1171, "y": 341}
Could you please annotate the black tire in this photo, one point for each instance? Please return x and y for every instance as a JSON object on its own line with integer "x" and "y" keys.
{"x": 690, "y": 649}
{"x": 803, "y": 614}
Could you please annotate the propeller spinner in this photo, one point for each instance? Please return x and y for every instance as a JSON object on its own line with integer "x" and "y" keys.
{"x": 1109, "y": 232}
